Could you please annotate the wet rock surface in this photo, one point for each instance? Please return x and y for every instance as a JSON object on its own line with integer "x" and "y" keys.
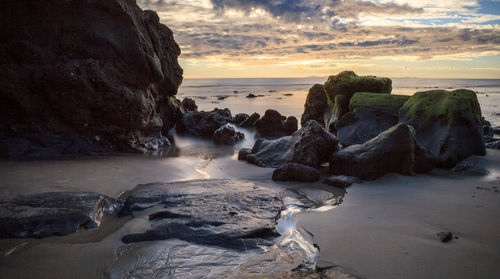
{"x": 227, "y": 135}
{"x": 85, "y": 78}
{"x": 224, "y": 213}
{"x": 447, "y": 123}
{"x": 391, "y": 151}
{"x": 296, "y": 172}
{"x": 53, "y": 213}
{"x": 310, "y": 146}
{"x": 493, "y": 145}
{"x": 240, "y": 117}
{"x": 203, "y": 123}
{"x": 274, "y": 124}
{"x": 341, "y": 181}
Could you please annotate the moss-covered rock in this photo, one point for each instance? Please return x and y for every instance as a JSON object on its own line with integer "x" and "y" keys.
{"x": 370, "y": 114}
{"x": 315, "y": 106}
{"x": 346, "y": 84}
{"x": 448, "y": 123}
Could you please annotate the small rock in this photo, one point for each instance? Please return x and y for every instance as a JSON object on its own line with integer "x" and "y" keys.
{"x": 493, "y": 145}
{"x": 227, "y": 135}
{"x": 189, "y": 104}
{"x": 251, "y": 96}
{"x": 236, "y": 92}
{"x": 243, "y": 153}
{"x": 250, "y": 121}
{"x": 240, "y": 117}
{"x": 296, "y": 172}
{"x": 341, "y": 181}
{"x": 288, "y": 94}
{"x": 463, "y": 166}
{"x": 445, "y": 236}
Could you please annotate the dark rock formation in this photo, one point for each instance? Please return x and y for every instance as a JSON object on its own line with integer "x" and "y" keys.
{"x": 296, "y": 172}
{"x": 391, "y": 151}
{"x": 227, "y": 135}
{"x": 57, "y": 213}
{"x": 251, "y": 95}
{"x": 425, "y": 161}
{"x": 250, "y": 121}
{"x": 341, "y": 181}
{"x": 84, "y": 77}
{"x": 203, "y": 123}
{"x": 225, "y": 213}
{"x": 371, "y": 114}
{"x": 274, "y": 124}
{"x": 447, "y": 123}
{"x": 346, "y": 84}
{"x": 493, "y": 145}
{"x": 310, "y": 146}
{"x": 240, "y": 117}
{"x": 315, "y": 106}
{"x": 189, "y": 104}
{"x": 243, "y": 153}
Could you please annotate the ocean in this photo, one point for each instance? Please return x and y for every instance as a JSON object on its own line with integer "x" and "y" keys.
{"x": 288, "y": 95}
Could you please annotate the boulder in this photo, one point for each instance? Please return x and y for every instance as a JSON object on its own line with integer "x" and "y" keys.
{"x": 274, "y": 124}
{"x": 243, "y": 153}
{"x": 220, "y": 212}
{"x": 391, "y": 151}
{"x": 189, "y": 104}
{"x": 315, "y": 106}
{"x": 250, "y": 121}
{"x": 346, "y": 84}
{"x": 447, "y": 123}
{"x": 341, "y": 181}
{"x": 310, "y": 146}
{"x": 203, "y": 123}
{"x": 55, "y": 213}
{"x": 296, "y": 172}
{"x": 85, "y": 77}
{"x": 493, "y": 145}
{"x": 227, "y": 135}
{"x": 370, "y": 114}
{"x": 240, "y": 117}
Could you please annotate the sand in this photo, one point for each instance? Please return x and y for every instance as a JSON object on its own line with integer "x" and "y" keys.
{"x": 387, "y": 228}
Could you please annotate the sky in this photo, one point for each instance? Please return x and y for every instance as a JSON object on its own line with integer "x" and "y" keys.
{"x": 299, "y": 38}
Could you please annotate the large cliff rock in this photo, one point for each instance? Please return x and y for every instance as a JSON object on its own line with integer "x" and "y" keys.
{"x": 85, "y": 76}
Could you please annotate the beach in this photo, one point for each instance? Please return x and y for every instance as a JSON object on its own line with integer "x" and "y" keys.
{"x": 380, "y": 229}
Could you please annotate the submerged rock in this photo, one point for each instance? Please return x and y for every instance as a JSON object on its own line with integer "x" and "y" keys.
{"x": 85, "y": 77}
{"x": 296, "y": 172}
{"x": 345, "y": 84}
{"x": 310, "y": 146}
{"x": 493, "y": 145}
{"x": 391, "y": 151}
{"x": 203, "y": 123}
{"x": 250, "y": 121}
{"x": 371, "y": 114}
{"x": 227, "y": 135}
{"x": 447, "y": 123}
{"x": 274, "y": 124}
{"x": 445, "y": 236}
{"x": 189, "y": 104}
{"x": 226, "y": 213}
{"x": 55, "y": 213}
{"x": 341, "y": 181}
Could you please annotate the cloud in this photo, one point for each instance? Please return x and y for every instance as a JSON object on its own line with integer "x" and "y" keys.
{"x": 277, "y": 32}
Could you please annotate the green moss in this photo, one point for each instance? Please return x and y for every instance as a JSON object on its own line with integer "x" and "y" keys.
{"x": 316, "y": 95}
{"x": 365, "y": 99}
{"x": 174, "y": 103}
{"x": 347, "y": 83}
{"x": 442, "y": 105}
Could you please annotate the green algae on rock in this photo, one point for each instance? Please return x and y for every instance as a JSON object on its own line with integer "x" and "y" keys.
{"x": 448, "y": 123}
{"x": 315, "y": 106}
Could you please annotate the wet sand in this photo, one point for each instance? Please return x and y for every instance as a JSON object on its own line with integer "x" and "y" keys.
{"x": 387, "y": 228}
